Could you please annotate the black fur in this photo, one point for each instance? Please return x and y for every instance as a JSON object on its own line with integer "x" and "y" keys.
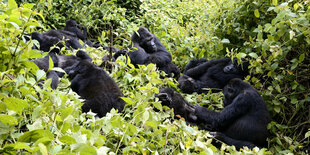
{"x": 244, "y": 119}
{"x": 95, "y": 86}
{"x": 147, "y": 49}
{"x": 200, "y": 74}
{"x": 62, "y": 61}
{"x": 70, "y": 35}
{"x": 173, "y": 99}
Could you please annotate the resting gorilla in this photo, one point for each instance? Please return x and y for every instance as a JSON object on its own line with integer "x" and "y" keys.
{"x": 201, "y": 74}
{"x": 244, "y": 119}
{"x": 71, "y": 35}
{"x": 62, "y": 61}
{"x": 147, "y": 49}
{"x": 173, "y": 99}
{"x": 75, "y": 28}
{"x": 93, "y": 84}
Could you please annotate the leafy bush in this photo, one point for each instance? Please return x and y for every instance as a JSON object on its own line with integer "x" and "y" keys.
{"x": 273, "y": 36}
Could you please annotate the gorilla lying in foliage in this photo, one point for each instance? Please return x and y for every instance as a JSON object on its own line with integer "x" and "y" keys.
{"x": 244, "y": 119}
{"x": 93, "y": 84}
{"x": 173, "y": 99}
{"x": 148, "y": 49}
{"x": 62, "y": 61}
{"x": 201, "y": 74}
{"x": 70, "y": 35}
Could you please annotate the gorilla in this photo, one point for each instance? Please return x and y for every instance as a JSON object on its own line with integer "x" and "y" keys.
{"x": 62, "y": 61}
{"x": 70, "y": 35}
{"x": 43, "y": 64}
{"x": 244, "y": 119}
{"x": 173, "y": 99}
{"x": 200, "y": 74}
{"x": 93, "y": 84}
{"x": 78, "y": 30}
{"x": 147, "y": 49}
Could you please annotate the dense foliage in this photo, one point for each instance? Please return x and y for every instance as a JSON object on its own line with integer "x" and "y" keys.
{"x": 273, "y": 35}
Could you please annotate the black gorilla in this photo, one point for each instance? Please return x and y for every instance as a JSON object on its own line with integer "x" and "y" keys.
{"x": 147, "y": 49}
{"x": 78, "y": 30}
{"x": 70, "y": 35}
{"x": 93, "y": 84}
{"x": 43, "y": 63}
{"x": 200, "y": 74}
{"x": 244, "y": 119}
{"x": 173, "y": 99}
{"x": 62, "y": 61}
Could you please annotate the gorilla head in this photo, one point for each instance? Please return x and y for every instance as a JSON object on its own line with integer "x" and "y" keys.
{"x": 74, "y": 27}
{"x": 234, "y": 68}
{"x": 145, "y": 39}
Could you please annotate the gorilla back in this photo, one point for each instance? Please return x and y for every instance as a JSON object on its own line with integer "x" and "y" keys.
{"x": 95, "y": 86}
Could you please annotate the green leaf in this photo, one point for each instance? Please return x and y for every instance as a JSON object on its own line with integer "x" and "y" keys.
{"x": 50, "y": 63}
{"x": 34, "y": 135}
{"x": 15, "y": 104}
{"x": 12, "y": 4}
{"x": 67, "y": 140}
{"x": 19, "y": 146}
{"x": 40, "y": 74}
{"x": 225, "y": 41}
{"x": 307, "y": 134}
{"x": 275, "y": 2}
{"x": 127, "y": 100}
{"x": 256, "y": 13}
{"x": 253, "y": 55}
{"x": 43, "y": 149}
{"x": 301, "y": 58}
{"x": 8, "y": 120}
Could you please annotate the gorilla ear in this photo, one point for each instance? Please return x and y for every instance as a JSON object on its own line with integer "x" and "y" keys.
{"x": 83, "y": 55}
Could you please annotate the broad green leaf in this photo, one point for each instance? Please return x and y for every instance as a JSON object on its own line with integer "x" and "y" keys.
{"x": 8, "y": 120}
{"x": 15, "y": 104}
{"x": 127, "y": 100}
{"x": 43, "y": 149}
{"x": 19, "y": 146}
{"x": 50, "y": 63}
{"x": 253, "y": 55}
{"x": 225, "y": 41}
{"x": 275, "y": 2}
{"x": 67, "y": 140}
{"x": 40, "y": 74}
{"x": 66, "y": 112}
{"x": 307, "y": 134}
{"x": 33, "y": 136}
{"x": 12, "y": 4}
{"x": 256, "y": 13}
{"x": 301, "y": 58}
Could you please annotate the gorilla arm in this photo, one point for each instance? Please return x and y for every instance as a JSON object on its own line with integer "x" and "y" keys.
{"x": 201, "y": 69}
{"x": 227, "y": 116}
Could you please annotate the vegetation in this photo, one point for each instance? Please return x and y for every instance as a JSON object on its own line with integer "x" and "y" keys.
{"x": 273, "y": 35}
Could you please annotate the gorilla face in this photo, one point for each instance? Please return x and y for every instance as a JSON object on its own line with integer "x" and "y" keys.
{"x": 147, "y": 40}
{"x": 231, "y": 90}
{"x": 234, "y": 68}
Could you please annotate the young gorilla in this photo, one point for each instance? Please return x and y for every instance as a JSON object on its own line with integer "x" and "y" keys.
{"x": 173, "y": 99}
{"x": 201, "y": 74}
{"x": 147, "y": 49}
{"x": 244, "y": 119}
{"x": 93, "y": 84}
